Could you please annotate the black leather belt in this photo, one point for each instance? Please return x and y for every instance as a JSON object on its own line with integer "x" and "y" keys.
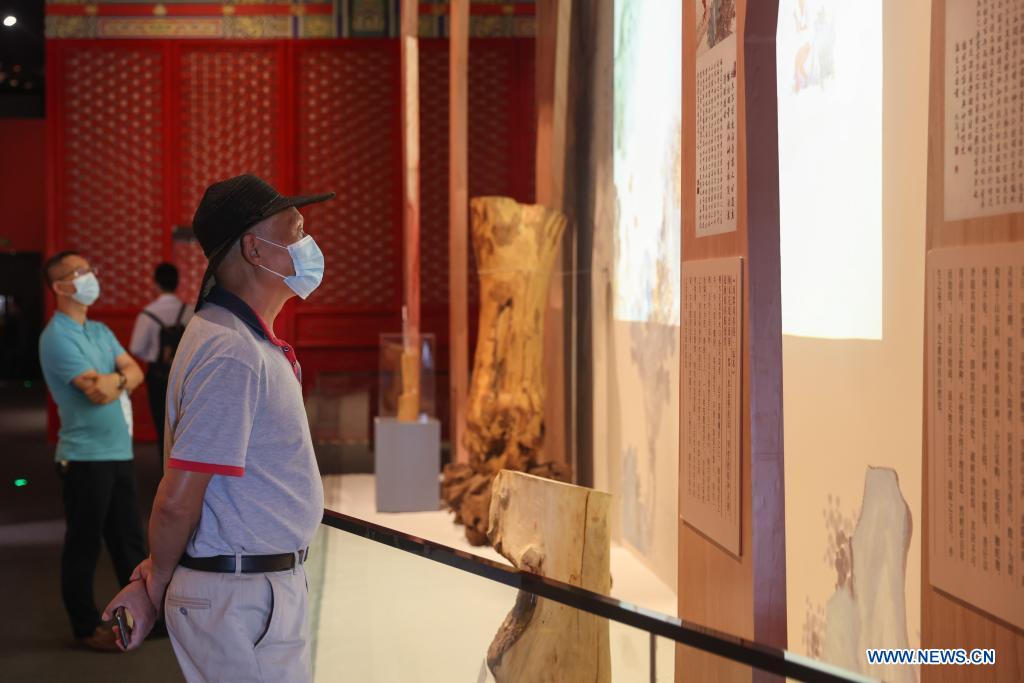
{"x": 251, "y": 564}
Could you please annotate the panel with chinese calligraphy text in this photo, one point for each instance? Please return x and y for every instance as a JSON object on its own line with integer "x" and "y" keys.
{"x": 976, "y": 425}
{"x": 717, "y": 123}
{"x": 984, "y": 133}
{"x": 712, "y": 319}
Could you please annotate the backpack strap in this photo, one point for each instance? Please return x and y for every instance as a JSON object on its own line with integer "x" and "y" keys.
{"x": 181, "y": 312}
{"x": 155, "y": 319}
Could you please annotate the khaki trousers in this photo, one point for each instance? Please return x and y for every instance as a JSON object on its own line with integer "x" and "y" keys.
{"x": 240, "y": 627}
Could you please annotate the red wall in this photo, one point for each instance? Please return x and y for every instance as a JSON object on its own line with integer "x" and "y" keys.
{"x": 22, "y": 184}
{"x": 138, "y": 129}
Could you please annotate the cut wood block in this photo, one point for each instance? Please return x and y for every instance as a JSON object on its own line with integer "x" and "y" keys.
{"x": 559, "y": 531}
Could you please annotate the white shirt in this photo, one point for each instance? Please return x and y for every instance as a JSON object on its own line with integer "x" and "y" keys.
{"x": 145, "y": 343}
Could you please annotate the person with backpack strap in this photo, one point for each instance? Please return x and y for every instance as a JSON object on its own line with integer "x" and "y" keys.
{"x": 158, "y": 330}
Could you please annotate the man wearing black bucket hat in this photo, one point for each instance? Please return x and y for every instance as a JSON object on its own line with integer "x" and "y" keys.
{"x": 242, "y": 495}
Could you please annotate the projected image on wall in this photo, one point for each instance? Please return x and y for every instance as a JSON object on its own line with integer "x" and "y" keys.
{"x": 648, "y": 43}
{"x": 829, "y": 60}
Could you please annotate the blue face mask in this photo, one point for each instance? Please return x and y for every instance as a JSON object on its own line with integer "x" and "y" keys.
{"x": 87, "y": 289}
{"x": 308, "y": 262}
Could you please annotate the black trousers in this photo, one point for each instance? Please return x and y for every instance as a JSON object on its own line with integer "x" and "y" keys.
{"x": 156, "y": 388}
{"x": 99, "y": 506}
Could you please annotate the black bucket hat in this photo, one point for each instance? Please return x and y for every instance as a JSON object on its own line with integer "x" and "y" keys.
{"x": 228, "y": 209}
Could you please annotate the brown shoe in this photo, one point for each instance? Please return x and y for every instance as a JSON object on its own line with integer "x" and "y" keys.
{"x": 102, "y": 639}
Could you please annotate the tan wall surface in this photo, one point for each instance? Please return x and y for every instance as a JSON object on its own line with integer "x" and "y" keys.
{"x": 850, "y": 404}
{"x": 636, "y": 369}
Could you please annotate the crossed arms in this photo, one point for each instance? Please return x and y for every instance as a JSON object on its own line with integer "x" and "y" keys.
{"x": 101, "y": 389}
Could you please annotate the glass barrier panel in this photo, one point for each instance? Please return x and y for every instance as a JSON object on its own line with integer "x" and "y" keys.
{"x": 385, "y": 606}
{"x": 382, "y": 614}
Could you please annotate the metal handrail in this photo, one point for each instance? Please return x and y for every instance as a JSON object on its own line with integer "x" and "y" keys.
{"x": 763, "y": 657}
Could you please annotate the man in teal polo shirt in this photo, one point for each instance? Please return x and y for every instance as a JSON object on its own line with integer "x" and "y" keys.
{"x": 90, "y": 375}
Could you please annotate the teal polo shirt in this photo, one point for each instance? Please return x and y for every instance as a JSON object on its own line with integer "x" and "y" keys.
{"x": 87, "y": 431}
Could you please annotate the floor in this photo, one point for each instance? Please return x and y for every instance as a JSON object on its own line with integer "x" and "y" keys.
{"x": 35, "y": 638}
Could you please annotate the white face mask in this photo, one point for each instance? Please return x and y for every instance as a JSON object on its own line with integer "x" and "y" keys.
{"x": 87, "y": 289}
{"x": 308, "y": 262}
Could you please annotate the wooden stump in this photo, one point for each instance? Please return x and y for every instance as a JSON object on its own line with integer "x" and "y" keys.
{"x": 560, "y": 531}
{"x": 515, "y": 245}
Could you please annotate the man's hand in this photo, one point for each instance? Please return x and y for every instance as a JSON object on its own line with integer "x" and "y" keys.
{"x": 104, "y": 389}
{"x": 156, "y": 584}
{"x": 136, "y": 601}
{"x": 85, "y": 380}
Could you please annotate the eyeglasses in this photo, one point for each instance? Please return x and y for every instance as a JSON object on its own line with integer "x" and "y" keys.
{"x": 78, "y": 272}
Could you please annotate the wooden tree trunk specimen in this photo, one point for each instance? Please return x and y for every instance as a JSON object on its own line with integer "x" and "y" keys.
{"x": 409, "y": 399}
{"x": 515, "y": 246}
{"x": 560, "y": 531}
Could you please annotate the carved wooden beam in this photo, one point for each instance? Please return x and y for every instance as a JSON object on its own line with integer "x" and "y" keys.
{"x": 408, "y": 402}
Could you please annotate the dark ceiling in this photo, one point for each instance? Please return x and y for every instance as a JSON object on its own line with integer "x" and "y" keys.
{"x": 21, "y": 59}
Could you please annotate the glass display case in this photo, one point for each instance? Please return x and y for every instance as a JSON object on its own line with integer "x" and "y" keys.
{"x": 393, "y": 354}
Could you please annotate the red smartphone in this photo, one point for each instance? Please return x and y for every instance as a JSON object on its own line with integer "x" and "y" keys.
{"x": 124, "y": 630}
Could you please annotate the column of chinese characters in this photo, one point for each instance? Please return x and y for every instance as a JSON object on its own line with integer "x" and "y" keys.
{"x": 717, "y": 143}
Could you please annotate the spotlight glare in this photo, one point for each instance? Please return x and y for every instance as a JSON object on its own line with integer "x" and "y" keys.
{"x": 10, "y": 20}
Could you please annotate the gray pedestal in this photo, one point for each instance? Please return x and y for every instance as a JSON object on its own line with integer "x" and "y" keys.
{"x": 407, "y": 464}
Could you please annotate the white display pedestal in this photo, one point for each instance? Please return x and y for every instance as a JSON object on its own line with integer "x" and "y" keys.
{"x": 407, "y": 463}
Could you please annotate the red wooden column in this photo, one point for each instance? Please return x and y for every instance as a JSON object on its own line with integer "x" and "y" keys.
{"x": 411, "y": 165}
{"x": 458, "y": 232}
{"x": 552, "y": 75}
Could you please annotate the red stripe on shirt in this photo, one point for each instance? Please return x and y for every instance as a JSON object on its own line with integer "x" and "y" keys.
{"x": 205, "y": 467}
{"x": 286, "y": 348}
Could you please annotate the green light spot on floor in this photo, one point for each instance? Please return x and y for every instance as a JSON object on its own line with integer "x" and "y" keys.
{"x": 21, "y": 482}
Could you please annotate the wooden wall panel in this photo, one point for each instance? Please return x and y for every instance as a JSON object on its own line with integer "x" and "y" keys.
{"x": 744, "y": 595}
{"x": 948, "y": 622}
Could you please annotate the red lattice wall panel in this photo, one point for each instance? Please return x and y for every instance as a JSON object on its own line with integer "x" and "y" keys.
{"x": 188, "y": 256}
{"x": 502, "y": 122}
{"x": 434, "y": 174}
{"x": 230, "y": 102}
{"x": 349, "y": 142}
{"x": 111, "y": 166}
